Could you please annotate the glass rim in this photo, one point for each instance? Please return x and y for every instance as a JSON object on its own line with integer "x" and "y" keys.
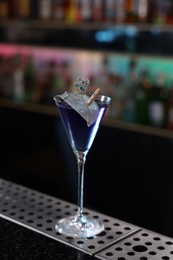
{"x": 101, "y": 97}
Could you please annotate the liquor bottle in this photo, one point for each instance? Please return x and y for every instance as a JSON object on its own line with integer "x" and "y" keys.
{"x": 130, "y": 84}
{"x": 158, "y": 99}
{"x": 8, "y": 68}
{"x": 103, "y": 74}
{"x": 169, "y": 14}
{"x": 58, "y": 10}
{"x": 170, "y": 110}
{"x": 29, "y": 78}
{"x": 24, "y": 9}
{"x": 71, "y": 8}
{"x": 44, "y": 88}
{"x": 86, "y": 10}
{"x": 18, "y": 79}
{"x": 120, "y": 11}
{"x": 143, "y": 11}
{"x": 2, "y": 62}
{"x": 14, "y": 9}
{"x": 98, "y": 11}
{"x": 110, "y": 10}
{"x": 160, "y": 11}
{"x": 142, "y": 91}
{"x": 131, "y": 11}
{"x": 66, "y": 76}
{"x": 45, "y": 9}
{"x": 4, "y": 9}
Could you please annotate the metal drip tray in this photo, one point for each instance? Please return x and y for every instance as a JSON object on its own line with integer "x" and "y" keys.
{"x": 144, "y": 245}
{"x": 40, "y": 213}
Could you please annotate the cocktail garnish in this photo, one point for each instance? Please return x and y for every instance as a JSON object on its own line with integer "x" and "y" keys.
{"x": 82, "y": 103}
{"x": 81, "y": 85}
{"x": 93, "y": 97}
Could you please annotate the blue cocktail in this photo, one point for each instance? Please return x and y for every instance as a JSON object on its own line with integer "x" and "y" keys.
{"x": 81, "y": 136}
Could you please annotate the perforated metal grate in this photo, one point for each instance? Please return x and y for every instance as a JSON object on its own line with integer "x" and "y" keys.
{"x": 144, "y": 245}
{"x": 40, "y": 213}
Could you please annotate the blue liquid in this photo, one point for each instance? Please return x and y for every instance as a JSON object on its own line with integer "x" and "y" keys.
{"x": 79, "y": 134}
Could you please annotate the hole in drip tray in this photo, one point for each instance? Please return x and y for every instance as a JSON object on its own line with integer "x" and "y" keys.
{"x": 103, "y": 233}
{"x": 140, "y": 248}
{"x": 152, "y": 253}
{"x": 80, "y": 242}
{"x": 109, "y": 254}
{"x": 91, "y": 247}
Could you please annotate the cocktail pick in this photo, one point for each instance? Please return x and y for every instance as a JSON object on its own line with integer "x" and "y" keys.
{"x": 80, "y": 102}
{"x": 93, "y": 97}
{"x": 81, "y": 86}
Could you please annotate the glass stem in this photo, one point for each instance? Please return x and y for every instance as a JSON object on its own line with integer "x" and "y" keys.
{"x": 81, "y": 158}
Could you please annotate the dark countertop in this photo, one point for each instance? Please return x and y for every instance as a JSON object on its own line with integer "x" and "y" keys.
{"x": 20, "y": 243}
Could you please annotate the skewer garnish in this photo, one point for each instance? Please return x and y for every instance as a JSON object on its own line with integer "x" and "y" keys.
{"x": 81, "y": 86}
{"x": 93, "y": 97}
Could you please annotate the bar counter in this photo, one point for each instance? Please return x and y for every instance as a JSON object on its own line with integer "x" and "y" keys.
{"x": 28, "y": 217}
{"x": 20, "y": 243}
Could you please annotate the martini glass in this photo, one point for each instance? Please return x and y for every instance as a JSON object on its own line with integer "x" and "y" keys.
{"x": 81, "y": 137}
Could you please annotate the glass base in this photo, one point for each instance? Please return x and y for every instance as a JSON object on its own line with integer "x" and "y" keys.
{"x": 74, "y": 227}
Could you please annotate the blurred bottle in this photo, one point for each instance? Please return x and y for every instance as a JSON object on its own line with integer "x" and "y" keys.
{"x": 143, "y": 87}
{"x": 120, "y": 11}
{"x": 93, "y": 84}
{"x": 8, "y": 67}
{"x": 24, "y": 8}
{"x": 130, "y": 84}
{"x": 144, "y": 11}
{"x": 20, "y": 9}
{"x": 45, "y": 9}
{"x": 98, "y": 10}
{"x": 170, "y": 109}
{"x": 18, "y": 78}
{"x": 30, "y": 76}
{"x": 14, "y": 9}
{"x": 2, "y": 62}
{"x": 58, "y": 11}
{"x": 4, "y": 9}
{"x": 110, "y": 10}
{"x": 158, "y": 101}
{"x": 65, "y": 82}
{"x": 114, "y": 88}
{"x": 86, "y": 10}
{"x": 131, "y": 11}
{"x": 162, "y": 11}
{"x": 129, "y": 111}
{"x": 169, "y": 12}
{"x": 103, "y": 74}
{"x": 71, "y": 8}
{"x": 44, "y": 89}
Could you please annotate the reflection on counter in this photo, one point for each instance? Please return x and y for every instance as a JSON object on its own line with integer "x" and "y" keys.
{"x": 141, "y": 88}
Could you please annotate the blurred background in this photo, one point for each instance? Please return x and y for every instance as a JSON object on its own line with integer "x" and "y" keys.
{"x": 124, "y": 47}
